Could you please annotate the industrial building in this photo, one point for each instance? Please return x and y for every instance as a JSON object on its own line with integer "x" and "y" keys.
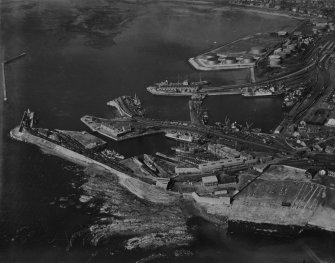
{"x": 223, "y": 151}
{"x": 211, "y": 180}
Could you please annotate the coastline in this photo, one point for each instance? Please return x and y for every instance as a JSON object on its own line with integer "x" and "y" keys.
{"x": 263, "y": 11}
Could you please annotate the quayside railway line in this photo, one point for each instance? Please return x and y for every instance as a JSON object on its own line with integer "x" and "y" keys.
{"x": 71, "y": 144}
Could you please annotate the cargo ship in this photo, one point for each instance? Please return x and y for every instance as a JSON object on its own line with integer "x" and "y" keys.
{"x": 260, "y": 92}
{"x": 263, "y": 91}
{"x": 185, "y": 88}
{"x": 127, "y": 106}
{"x": 149, "y": 162}
{"x": 175, "y": 135}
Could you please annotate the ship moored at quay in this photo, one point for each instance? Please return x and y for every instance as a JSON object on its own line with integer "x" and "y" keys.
{"x": 263, "y": 91}
{"x": 299, "y": 199}
{"x": 127, "y": 106}
{"x": 185, "y": 88}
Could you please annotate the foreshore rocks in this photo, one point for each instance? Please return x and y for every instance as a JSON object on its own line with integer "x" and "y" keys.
{"x": 148, "y": 225}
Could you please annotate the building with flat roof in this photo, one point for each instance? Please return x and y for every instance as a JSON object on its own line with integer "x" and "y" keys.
{"x": 211, "y": 180}
{"x": 223, "y": 151}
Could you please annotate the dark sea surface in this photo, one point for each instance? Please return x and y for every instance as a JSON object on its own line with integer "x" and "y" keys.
{"x": 80, "y": 54}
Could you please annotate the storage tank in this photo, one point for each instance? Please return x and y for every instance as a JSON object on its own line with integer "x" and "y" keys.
{"x": 276, "y": 51}
{"x": 292, "y": 47}
{"x": 287, "y": 51}
{"x": 230, "y": 60}
{"x": 282, "y": 54}
{"x": 274, "y": 57}
{"x": 275, "y": 62}
{"x": 212, "y": 61}
{"x": 257, "y": 50}
{"x": 221, "y": 55}
{"x": 282, "y": 33}
{"x": 210, "y": 55}
{"x": 248, "y": 60}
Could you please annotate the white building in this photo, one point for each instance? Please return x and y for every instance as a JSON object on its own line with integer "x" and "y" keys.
{"x": 223, "y": 151}
{"x": 211, "y": 180}
{"x": 186, "y": 170}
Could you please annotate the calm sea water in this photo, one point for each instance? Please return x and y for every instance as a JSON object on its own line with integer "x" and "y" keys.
{"x": 80, "y": 54}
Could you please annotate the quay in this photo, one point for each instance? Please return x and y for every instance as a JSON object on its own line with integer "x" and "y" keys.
{"x": 127, "y": 106}
{"x": 119, "y": 129}
{"x": 14, "y": 58}
{"x": 195, "y": 111}
{"x": 3, "y": 73}
{"x": 3, "y": 81}
{"x": 198, "y": 64}
{"x": 74, "y": 151}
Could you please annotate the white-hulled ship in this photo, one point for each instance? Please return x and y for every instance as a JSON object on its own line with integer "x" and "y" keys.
{"x": 185, "y": 88}
{"x": 175, "y": 135}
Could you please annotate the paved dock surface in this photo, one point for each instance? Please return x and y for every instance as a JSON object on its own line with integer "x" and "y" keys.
{"x": 2, "y": 75}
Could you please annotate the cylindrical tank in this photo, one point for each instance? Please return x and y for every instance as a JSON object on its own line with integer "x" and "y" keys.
{"x": 274, "y": 62}
{"x": 282, "y": 33}
{"x": 276, "y": 51}
{"x": 274, "y": 57}
{"x": 230, "y": 60}
{"x": 287, "y": 51}
{"x": 212, "y": 61}
{"x": 257, "y": 50}
{"x": 210, "y": 55}
{"x": 248, "y": 60}
{"x": 282, "y": 54}
{"x": 292, "y": 47}
{"x": 221, "y": 55}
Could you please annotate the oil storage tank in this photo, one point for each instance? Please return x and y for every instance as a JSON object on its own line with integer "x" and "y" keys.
{"x": 230, "y": 60}
{"x": 274, "y": 60}
{"x": 257, "y": 50}
{"x": 212, "y": 61}
{"x": 248, "y": 60}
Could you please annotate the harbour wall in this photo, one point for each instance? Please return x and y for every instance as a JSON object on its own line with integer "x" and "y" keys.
{"x": 134, "y": 185}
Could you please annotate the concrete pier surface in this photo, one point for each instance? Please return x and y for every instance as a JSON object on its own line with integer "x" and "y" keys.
{"x": 284, "y": 196}
{"x": 134, "y": 185}
{"x": 3, "y": 81}
{"x": 2, "y": 74}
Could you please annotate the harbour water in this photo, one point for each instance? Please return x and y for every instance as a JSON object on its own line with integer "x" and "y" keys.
{"x": 81, "y": 54}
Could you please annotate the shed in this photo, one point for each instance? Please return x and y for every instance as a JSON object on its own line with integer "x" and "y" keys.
{"x": 211, "y": 180}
